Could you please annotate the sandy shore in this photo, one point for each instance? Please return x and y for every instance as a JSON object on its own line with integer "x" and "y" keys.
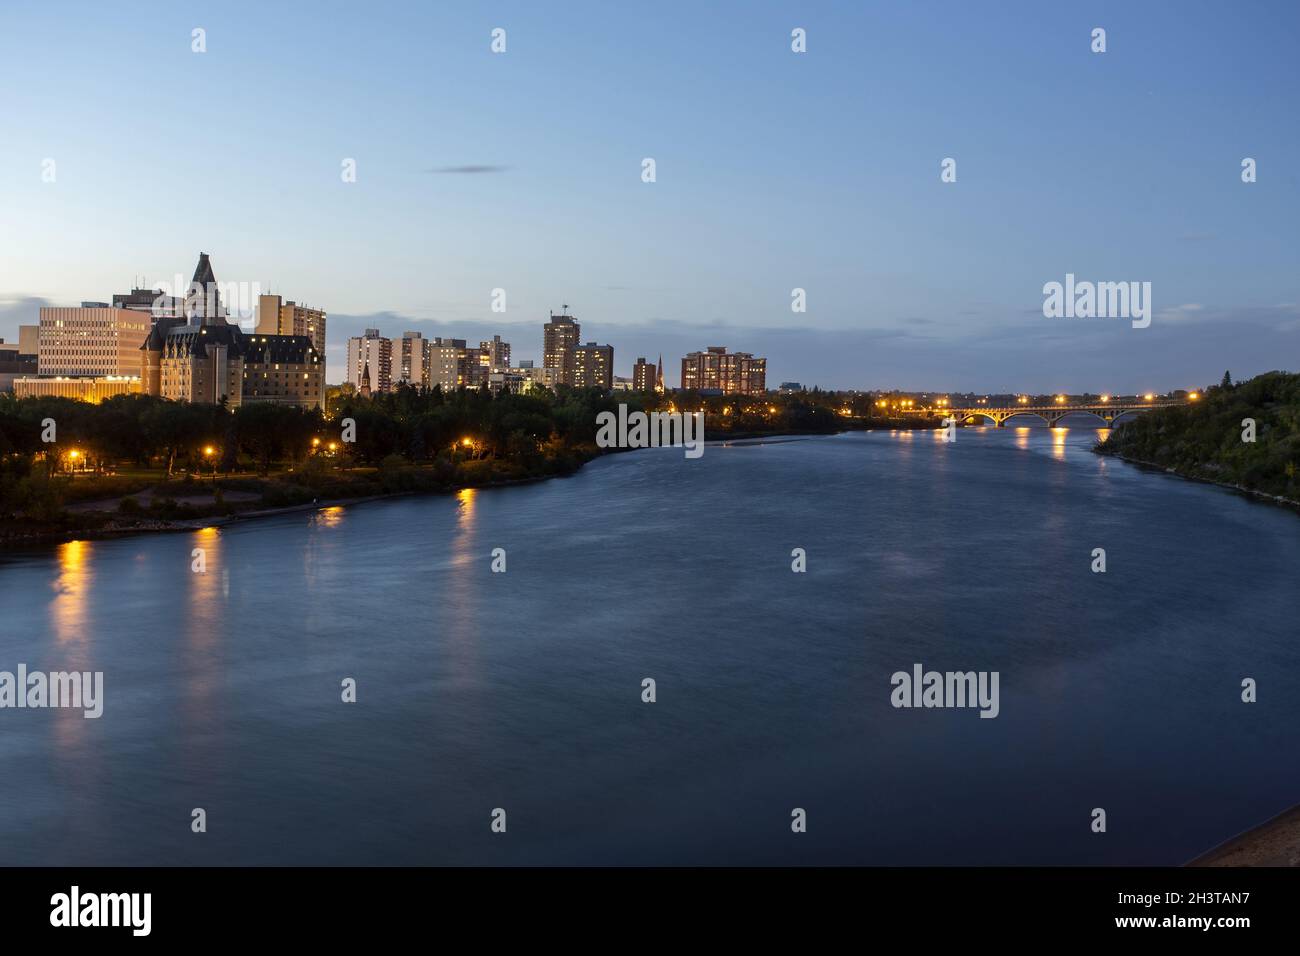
{"x": 1273, "y": 843}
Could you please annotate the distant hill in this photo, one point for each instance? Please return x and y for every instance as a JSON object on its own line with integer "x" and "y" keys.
{"x": 1204, "y": 440}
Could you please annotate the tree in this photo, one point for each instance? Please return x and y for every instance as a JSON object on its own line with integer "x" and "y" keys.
{"x": 1227, "y": 380}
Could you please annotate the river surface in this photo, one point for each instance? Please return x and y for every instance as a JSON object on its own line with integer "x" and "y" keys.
{"x": 523, "y": 690}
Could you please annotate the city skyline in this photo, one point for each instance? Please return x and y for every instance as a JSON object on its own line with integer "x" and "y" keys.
{"x": 679, "y": 340}
{"x": 764, "y": 183}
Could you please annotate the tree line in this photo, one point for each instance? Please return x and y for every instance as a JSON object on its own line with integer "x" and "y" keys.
{"x": 1247, "y": 434}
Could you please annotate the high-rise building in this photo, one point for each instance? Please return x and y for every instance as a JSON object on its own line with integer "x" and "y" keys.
{"x": 371, "y": 355}
{"x": 643, "y": 376}
{"x": 736, "y": 373}
{"x": 453, "y": 364}
{"x": 476, "y": 368}
{"x": 560, "y": 336}
{"x": 95, "y": 339}
{"x": 593, "y": 366}
{"x": 414, "y": 360}
{"x": 278, "y": 317}
{"x": 494, "y": 356}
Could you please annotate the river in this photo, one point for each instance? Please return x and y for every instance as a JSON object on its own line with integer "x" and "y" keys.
{"x": 522, "y": 690}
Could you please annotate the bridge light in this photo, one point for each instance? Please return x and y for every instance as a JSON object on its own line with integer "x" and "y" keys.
{"x": 1193, "y": 396}
{"x": 1060, "y": 399}
{"x": 1105, "y": 398}
{"x": 1149, "y": 397}
{"x": 1024, "y": 399}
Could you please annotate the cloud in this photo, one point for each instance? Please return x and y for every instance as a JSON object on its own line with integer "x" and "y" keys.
{"x": 1183, "y": 313}
{"x": 468, "y": 170}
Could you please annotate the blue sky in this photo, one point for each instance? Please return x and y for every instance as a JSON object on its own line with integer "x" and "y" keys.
{"x": 775, "y": 170}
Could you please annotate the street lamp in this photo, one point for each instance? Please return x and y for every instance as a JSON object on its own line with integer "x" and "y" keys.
{"x": 210, "y": 453}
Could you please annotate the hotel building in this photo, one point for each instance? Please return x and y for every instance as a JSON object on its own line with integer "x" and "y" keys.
{"x": 200, "y": 357}
{"x": 284, "y": 369}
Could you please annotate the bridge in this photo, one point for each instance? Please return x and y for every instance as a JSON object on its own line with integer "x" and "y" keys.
{"x": 1108, "y": 412}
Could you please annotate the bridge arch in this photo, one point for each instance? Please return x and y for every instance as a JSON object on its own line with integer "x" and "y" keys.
{"x": 1127, "y": 415}
{"x": 1011, "y": 418}
{"x": 1061, "y": 423}
{"x": 973, "y": 418}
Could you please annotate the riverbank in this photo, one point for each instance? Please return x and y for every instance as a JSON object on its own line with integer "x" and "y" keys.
{"x": 1275, "y": 842}
{"x": 1243, "y": 436}
{"x": 186, "y": 505}
{"x": 1253, "y": 493}
{"x": 182, "y": 505}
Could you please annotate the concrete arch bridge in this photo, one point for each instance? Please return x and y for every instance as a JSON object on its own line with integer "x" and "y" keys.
{"x": 1107, "y": 413}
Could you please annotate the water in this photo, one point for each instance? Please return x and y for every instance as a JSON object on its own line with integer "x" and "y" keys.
{"x": 523, "y": 690}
